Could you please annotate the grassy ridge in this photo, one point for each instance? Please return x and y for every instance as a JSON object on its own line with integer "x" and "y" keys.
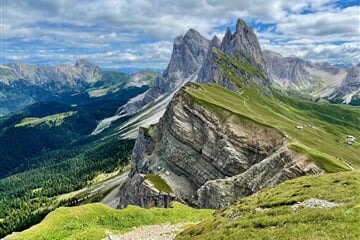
{"x": 325, "y": 161}
{"x": 92, "y": 221}
{"x": 269, "y": 215}
{"x": 325, "y": 126}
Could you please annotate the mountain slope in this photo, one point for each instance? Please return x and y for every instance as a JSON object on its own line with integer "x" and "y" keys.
{"x": 330, "y": 209}
{"x": 43, "y": 127}
{"x": 349, "y": 90}
{"x": 300, "y": 75}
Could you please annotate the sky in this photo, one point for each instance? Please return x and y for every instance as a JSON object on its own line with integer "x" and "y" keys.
{"x": 116, "y": 34}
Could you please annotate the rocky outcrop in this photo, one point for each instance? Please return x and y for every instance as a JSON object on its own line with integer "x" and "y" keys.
{"x": 208, "y": 69}
{"x": 298, "y": 74}
{"x": 139, "y": 191}
{"x": 243, "y": 44}
{"x": 283, "y": 165}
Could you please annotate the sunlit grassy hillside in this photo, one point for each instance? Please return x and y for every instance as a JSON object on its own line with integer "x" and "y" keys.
{"x": 269, "y": 214}
{"x": 324, "y": 127}
{"x": 93, "y": 221}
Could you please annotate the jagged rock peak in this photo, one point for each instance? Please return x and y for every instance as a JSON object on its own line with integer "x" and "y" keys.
{"x": 188, "y": 54}
{"x": 90, "y": 71}
{"x": 243, "y": 42}
{"x": 242, "y": 47}
{"x": 193, "y": 34}
{"x": 227, "y": 37}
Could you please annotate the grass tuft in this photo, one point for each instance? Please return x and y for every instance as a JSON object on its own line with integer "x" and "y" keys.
{"x": 159, "y": 183}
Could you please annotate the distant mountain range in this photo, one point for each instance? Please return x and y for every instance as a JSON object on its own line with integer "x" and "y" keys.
{"x": 341, "y": 85}
{"x": 23, "y": 84}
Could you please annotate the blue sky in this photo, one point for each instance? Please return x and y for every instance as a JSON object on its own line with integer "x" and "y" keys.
{"x": 138, "y": 34}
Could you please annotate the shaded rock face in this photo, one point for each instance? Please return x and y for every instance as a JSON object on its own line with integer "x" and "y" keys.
{"x": 239, "y": 53}
{"x": 139, "y": 192}
{"x": 189, "y": 52}
{"x": 283, "y": 165}
{"x": 298, "y": 74}
{"x": 208, "y": 162}
{"x": 208, "y": 70}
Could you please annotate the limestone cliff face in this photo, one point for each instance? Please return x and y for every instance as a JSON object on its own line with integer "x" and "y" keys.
{"x": 243, "y": 43}
{"x": 283, "y": 165}
{"x": 209, "y": 162}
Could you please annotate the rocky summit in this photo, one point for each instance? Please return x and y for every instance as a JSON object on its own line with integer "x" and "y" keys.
{"x": 209, "y": 156}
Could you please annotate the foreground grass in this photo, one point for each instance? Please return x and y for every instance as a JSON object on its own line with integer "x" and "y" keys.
{"x": 277, "y": 220}
{"x": 325, "y": 126}
{"x": 91, "y": 221}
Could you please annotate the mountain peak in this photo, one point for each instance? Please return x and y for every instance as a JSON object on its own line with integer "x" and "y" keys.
{"x": 192, "y": 32}
{"x": 215, "y": 40}
{"x": 84, "y": 63}
{"x": 241, "y": 26}
{"x": 188, "y": 54}
{"x": 242, "y": 43}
